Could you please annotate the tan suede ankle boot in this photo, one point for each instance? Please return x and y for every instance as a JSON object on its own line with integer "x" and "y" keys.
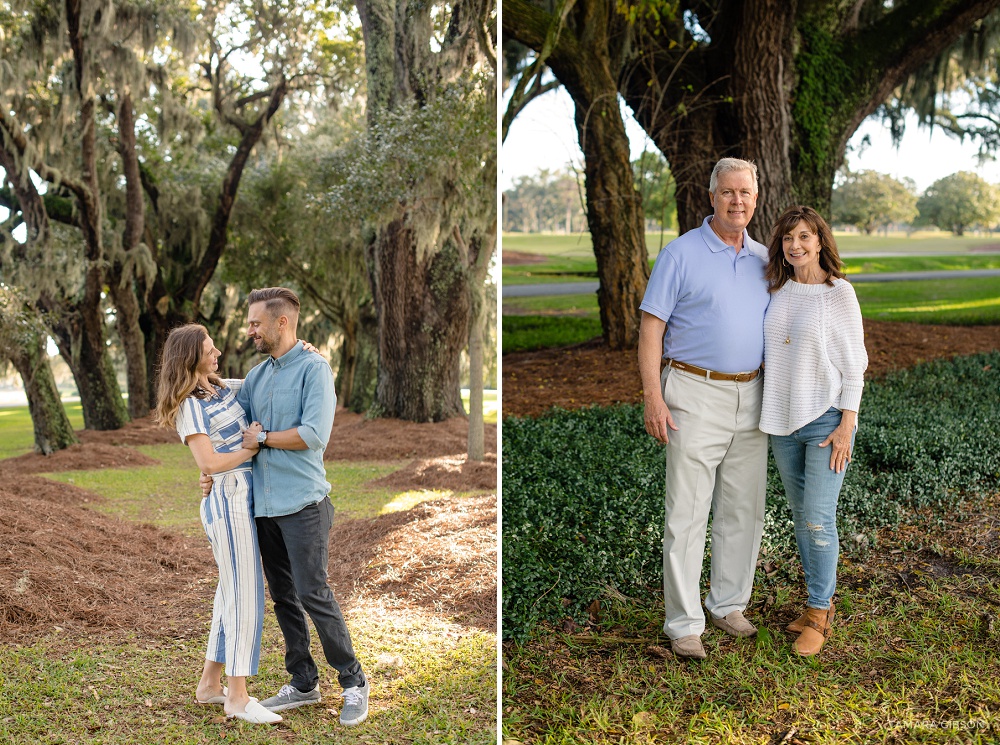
{"x": 799, "y": 623}
{"x": 817, "y": 630}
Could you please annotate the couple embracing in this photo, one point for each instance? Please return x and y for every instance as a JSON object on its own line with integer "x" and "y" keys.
{"x": 266, "y": 502}
{"x": 719, "y": 307}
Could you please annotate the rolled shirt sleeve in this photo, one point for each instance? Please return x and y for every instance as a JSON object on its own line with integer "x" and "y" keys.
{"x": 319, "y": 402}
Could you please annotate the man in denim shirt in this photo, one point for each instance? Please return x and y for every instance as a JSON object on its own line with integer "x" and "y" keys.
{"x": 291, "y": 394}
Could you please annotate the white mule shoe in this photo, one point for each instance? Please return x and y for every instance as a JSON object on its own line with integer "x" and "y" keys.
{"x": 255, "y": 714}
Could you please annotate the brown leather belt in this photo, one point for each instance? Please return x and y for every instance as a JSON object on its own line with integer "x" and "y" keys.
{"x": 743, "y": 377}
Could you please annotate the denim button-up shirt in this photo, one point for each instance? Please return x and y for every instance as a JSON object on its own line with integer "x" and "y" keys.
{"x": 294, "y": 391}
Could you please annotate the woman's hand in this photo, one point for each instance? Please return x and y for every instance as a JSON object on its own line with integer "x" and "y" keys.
{"x": 840, "y": 439}
{"x": 309, "y": 347}
{"x": 250, "y": 436}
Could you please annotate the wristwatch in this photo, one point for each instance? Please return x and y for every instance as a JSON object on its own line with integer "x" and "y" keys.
{"x": 262, "y": 438}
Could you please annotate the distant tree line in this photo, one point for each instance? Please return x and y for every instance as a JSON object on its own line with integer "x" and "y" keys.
{"x": 554, "y": 201}
{"x": 868, "y": 200}
{"x": 872, "y": 201}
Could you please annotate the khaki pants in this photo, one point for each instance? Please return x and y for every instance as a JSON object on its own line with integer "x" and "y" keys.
{"x": 716, "y": 460}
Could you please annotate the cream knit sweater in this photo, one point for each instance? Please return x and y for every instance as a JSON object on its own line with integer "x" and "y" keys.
{"x": 814, "y": 354}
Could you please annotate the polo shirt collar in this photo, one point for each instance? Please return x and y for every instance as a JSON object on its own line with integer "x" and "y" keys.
{"x": 715, "y": 242}
{"x": 292, "y": 354}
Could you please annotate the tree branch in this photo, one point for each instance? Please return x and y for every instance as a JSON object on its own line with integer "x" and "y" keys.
{"x": 895, "y": 46}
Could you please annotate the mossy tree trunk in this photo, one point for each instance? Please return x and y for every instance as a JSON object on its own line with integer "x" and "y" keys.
{"x": 423, "y": 318}
{"x": 122, "y": 280}
{"x": 420, "y": 277}
{"x": 783, "y": 84}
{"x": 51, "y": 425}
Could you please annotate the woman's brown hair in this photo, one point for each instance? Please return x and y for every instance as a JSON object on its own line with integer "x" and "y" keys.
{"x": 179, "y": 360}
{"x": 778, "y": 270}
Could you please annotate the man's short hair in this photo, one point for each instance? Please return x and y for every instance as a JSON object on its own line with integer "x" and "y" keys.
{"x": 277, "y": 300}
{"x": 729, "y": 165}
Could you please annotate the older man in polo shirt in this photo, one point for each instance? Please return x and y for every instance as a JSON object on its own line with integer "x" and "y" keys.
{"x": 701, "y": 347}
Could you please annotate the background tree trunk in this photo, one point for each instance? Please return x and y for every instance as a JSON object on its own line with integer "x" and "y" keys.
{"x": 423, "y": 319}
{"x": 123, "y": 288}
{"x": 52, "y": 427}
{"x": 582, "y": 61}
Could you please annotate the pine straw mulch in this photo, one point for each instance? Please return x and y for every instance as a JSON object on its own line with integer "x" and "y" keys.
{"x": 590, "y": 373}
{"x": 66, "y": 567}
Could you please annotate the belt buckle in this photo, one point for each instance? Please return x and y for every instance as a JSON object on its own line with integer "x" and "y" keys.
{"x": 743, "y": 377}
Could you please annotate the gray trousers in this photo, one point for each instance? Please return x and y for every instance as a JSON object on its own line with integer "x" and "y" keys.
{"x": 295, "y": 551}
{"x": 716, "y": 461}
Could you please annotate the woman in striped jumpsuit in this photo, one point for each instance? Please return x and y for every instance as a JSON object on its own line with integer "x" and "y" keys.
{"x": 203, "y": 408}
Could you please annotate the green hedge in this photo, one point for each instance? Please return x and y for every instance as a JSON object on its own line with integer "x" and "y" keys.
{"x": 583, "y": 490}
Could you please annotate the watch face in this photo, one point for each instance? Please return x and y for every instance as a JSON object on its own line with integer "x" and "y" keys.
{"x": 261, "y": 436}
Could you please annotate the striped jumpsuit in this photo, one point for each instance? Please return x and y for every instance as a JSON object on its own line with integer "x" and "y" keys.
{"x": 227, "y": 515}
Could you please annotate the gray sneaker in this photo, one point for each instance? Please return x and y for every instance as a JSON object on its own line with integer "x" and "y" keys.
{"x": 290, "y": 697}
{"x": 355, "y": 709}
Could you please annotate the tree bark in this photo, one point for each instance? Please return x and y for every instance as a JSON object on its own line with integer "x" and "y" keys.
{"x": 82, "y": 338}
{"x": 423, "y": 319}
{"x": 348, "y": 364}
{"x": 582, "y": 59}
{"x": 124, "y": 286}
{"x": 420, "y": 291}
{"x": 51, "y": 425}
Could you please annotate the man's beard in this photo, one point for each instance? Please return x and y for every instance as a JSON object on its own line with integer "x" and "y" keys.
{"x": 262, "y": 345}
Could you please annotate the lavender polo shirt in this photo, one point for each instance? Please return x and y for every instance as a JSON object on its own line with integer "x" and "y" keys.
{"x": 712, "y": 299}
{"x": 295, "y": 390}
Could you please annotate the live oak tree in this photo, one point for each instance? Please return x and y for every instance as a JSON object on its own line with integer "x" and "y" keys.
{"x": 52, "y": 125}
{"x": 959, "y": 202}
{"x": 23, "y": 343}
{"x": 283, "y": 226}
{"x": 426, "y": 184}
{"x": 142, "y": 143}
{"x": 785, "y": 84}
{"x": 870, "y": 200}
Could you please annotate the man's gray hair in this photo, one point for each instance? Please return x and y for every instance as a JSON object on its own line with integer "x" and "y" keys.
{"x": 729, "y": 165}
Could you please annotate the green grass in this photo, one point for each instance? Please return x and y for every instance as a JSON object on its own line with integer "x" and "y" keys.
{"x": 905, "y": 664}
{"x": 560, "y": 320}
{"x": 567, "y": 261}
{"x": 16, "y": 433}
{"x": 490, "y": 405}
{"x": 952, "y": 301}
{"x": 521, "y": 333}
{"x": 168, "y": 495}
{"x": 439, "y": 688}
{"x": 927, "y": 241}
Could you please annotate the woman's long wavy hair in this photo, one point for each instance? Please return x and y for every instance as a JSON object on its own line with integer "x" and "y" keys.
{"x": 778, "y": 271}
{"x": 179, "y": 360}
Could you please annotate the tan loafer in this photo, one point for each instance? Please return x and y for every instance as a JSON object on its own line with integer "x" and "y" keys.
{"x": 817, "y": 630}
{"x": 735, "y": 624}
{"x": 688, "y": 647}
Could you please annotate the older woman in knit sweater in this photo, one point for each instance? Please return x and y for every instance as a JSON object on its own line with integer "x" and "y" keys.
{"x": 815, "y": 358}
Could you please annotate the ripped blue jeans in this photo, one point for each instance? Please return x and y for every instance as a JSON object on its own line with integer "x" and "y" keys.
{"x": 812, "y": 489}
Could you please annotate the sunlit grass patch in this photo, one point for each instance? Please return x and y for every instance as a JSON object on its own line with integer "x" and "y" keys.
{"x": 17, "y": 435}
{"x": 958, "y": 301}
{"x": 409, "y": 499}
